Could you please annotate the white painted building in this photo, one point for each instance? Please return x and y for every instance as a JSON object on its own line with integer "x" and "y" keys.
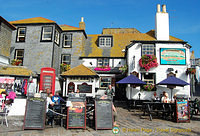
{"x": 163, "y": 44}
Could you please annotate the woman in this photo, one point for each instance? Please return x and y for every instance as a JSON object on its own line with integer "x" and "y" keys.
{"x": 165, "y": 98}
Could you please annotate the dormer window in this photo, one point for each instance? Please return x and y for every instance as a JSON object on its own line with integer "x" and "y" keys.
{"x": 105, "y": 41}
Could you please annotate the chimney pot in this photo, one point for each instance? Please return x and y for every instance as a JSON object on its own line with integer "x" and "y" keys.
{"x": 164, "y": 8}
{"x": 158, "y": 8}
{"x": 82, "y": 19}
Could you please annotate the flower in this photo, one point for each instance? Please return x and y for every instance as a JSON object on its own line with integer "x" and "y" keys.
{"x": 123, "y": 69}
{"x": 148, "y": 61}
{"x": 191, "y": 71}
{"x": 16, "y": 62}
{"x": 103, "y": 68}
{"x": 64, "y": 67}
{"x": 149, "y": 87}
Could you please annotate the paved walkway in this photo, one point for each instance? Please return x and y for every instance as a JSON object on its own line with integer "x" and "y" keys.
{"x": 131, "y": 123}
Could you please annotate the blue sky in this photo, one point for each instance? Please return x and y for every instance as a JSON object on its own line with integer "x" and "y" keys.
{"x": 99, "y": 14}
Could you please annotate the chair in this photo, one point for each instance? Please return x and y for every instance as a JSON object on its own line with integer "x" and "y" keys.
{"x": 4, "y": 113}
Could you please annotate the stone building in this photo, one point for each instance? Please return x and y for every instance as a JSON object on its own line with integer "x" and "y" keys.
{"x": 39, "y": 42}
{"x": 5, "y": 40}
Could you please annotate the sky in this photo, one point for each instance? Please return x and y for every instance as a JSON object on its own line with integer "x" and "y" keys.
{"x": 184, "y": 18}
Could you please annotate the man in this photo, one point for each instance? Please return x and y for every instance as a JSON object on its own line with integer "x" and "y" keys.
{"x": 49, "y": 104}
{"x": 110, "y": 91}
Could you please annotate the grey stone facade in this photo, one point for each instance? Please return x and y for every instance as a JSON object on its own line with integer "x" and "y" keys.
{"x": 38, "y": 54}
{"x": 75, "y": 51}
{"x": 5, "y": 39}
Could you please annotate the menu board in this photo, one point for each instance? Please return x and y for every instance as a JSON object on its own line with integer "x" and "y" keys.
{"x": 103, "y": 114}
{"x": 35, "y": 113}
{"x": 76, "y": 113}
{"x": 182, "y": 110}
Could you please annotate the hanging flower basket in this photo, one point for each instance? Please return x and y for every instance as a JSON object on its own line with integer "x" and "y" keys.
{"x": 123, "y": 69}
{"x": 64, "y": 67}
{"x": 191, "y": 71}
{"x": 148, "y": 61}
{"x": 103, "y": 68}
{"x": 150, "y": 87}
{"x": 16, "y": 62}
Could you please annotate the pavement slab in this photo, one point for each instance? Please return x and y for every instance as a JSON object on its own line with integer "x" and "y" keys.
{"x": 130, "y": 123}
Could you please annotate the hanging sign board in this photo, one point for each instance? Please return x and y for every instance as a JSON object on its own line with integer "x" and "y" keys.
{"x": 35, "y": 113}
{"x": 182, "y": 110}
{"x": 103, "y": 114}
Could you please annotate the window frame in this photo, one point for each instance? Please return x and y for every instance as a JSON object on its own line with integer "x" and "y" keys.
{"x": 154, "y": 78}
{"x": 109, "y": 83}
{"x": 64, "y": 40}
{"x": 105, "y": 40}
{"x": 63, "y": 57}
{"x": 103, "y": 62}
{"x": 42, "y": 34}
{"x": 57, "y": 37}
{"x": 22, "y": 36}
{"x": 154, "y": 51}
{"x": 16, "y": 52}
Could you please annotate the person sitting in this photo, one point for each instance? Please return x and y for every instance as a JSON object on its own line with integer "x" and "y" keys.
{"x": 165, "y": 98}
{"x": 155, "y": 97}
{"x": 77, "y": 93}
{"x": 49, "y": 113}
{"x": 57, "y": 100}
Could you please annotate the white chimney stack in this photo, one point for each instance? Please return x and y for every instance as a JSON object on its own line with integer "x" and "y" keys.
{"x": 162, "y": 24}
{"x": 82, "y": 19}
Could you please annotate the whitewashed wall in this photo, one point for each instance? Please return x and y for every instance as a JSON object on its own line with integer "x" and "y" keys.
{"x": 161, "y": 70}
{"x": 112, "y": 62}
{"x": 91, "y": 82}
{"x": 18, "y": 108}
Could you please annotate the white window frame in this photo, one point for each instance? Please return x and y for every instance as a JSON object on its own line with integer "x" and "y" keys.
{"x": 19, "y": 57}
{"x": 148, "y": 49}
{"x": 149, "y": 81}
{"x": 66, "y": 62}
{"x": 57, "y": 37}
{"x": 105, "y": 41}
{"x": 102, "y": 62}
{"x": 19, "y": 35}
{"x": 108, "y": 82}
{"x": 47, "y": 33}
{"x": 67, "y": 40}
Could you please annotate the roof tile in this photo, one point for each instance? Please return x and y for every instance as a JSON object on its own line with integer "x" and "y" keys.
{"x": 80, "y": 70}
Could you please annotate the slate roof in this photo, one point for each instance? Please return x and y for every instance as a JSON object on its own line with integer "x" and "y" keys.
{"x": 34, "y": 20}
{"x": 15, "y": 70}
{"x": 120, "y": 41}
{"x": 68, "y": 28}
{"x": 7, "y": 23}
{"x": 80, "y": 70}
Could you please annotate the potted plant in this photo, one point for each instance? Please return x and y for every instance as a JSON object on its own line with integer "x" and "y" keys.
{"x": 123, "y": 69}
{"x": 64, "y": 67}
{"x": 191, "y": 71}
{"x": 149, "y": 87}
{"x": 16, "y": 62}
{"x": 148, "y": 61}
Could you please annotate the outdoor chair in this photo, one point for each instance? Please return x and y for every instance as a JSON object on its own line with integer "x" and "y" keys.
{"x": 4, "y": 113}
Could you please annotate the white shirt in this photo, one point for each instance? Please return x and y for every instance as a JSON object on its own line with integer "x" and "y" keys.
{"x": 49, "y": 101}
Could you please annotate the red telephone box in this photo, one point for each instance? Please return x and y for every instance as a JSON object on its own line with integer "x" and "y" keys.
{"x": 47, "y": 79}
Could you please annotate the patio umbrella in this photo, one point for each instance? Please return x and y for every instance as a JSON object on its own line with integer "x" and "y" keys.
{"x": 133, "y": 80}
{"x": 172, "y": 82}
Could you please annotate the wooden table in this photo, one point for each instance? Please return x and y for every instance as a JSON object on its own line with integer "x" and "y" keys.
{"x": 166, "y": 109}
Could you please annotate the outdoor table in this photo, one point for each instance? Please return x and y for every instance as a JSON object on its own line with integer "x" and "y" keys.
{"x": 135, "y": 104}
{"x": 165, "y": 108}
